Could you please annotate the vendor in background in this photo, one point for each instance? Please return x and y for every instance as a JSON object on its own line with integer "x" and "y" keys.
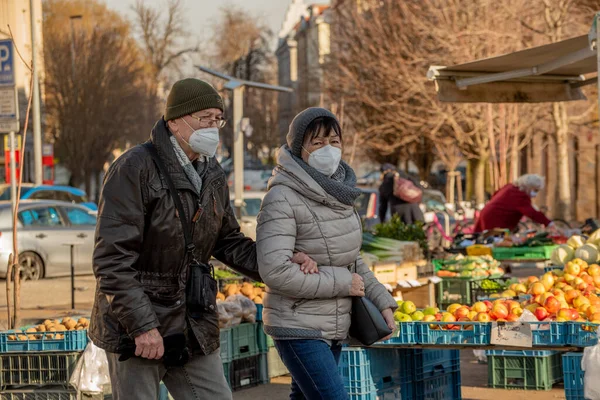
{"x": 408, "y": 212}
{"x": 508, "y": 205}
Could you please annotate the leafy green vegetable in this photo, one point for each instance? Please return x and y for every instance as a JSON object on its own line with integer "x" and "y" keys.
{"x": 398, "y": 230}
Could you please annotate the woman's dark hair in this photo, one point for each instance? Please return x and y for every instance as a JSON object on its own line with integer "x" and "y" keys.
{"x": 328, "y": 125}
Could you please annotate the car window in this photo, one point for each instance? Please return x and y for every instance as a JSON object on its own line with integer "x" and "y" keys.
{"x": 78, "y": 216}
{"x": 251, "y": 207}
{"x": 61, "y": 196}
{"x": 42, "y": 195}
{"x": 46, "y": 216}
{"x": 77, "y": 199}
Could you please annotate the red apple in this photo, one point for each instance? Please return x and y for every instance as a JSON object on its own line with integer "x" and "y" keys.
{"x": 564, "y": 313}
{"x": 512, "y": 318}
{"x": 552, "y": 304}
{"x": 572, "y": 295}
{"x": 541, "y": 313}
{"x": 462, "y": 312}
{"x": 532, "y": 279}
{"x": 488, "y": 304}
{"x": 499, "y": 312}
{"x": 479, "y": 307}
{"x": 483, "y": 317}
{"x": 438, "y": 317}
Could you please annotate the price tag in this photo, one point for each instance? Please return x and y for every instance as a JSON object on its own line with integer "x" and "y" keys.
{"x": 414, "y": 283}
{"x": 515, "y": 334}
{"x": 435, "y": 279}
{"x": 404, "y": 284}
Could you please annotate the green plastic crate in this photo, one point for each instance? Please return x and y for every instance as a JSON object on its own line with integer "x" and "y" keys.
{"x": 524, "y": 372}
{"x": 37, "y": 368}
{"x": 523, "y": 253}
{"x": 226, "y": 345}
{"x": 243, "y": 341}
{"x": 455, "y": 290}
{"x": 261, "y": 339}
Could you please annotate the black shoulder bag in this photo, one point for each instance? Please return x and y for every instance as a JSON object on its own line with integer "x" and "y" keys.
{"x": 201, "y": 288}
{"x": 367, "y": 324}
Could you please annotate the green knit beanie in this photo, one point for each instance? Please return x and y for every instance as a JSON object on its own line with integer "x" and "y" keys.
{"x": 191, "y": 95}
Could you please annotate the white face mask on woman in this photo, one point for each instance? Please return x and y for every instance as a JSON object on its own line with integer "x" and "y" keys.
{"x": 203, "y": 141}
{"x": 326, "y": 160}
{"x": 533, "y": 193}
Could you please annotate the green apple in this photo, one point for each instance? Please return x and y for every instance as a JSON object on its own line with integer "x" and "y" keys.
{"x": 417, "y": 316}
{"x": 431, "y": 311}
{"x": 408, "y": 307}
{"x": 398, "y": 316}
{"x": 405, "y": 318}
{"x": 399, "y": 302}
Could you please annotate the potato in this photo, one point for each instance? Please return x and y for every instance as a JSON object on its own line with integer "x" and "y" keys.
{"x": 41, "y": 328}
{"x": 220, "y": 296}
{"x": 50, "y": 336}
{"x": 258, "y": 300}
{"x": 12, "y": 337}
{"x": 59, "y": 336}
{"x": 70, "y": 324}
{"x": 22, "y": 337}
{"x": 61, "y": 327}
{"x": 247, "y": 290}
{"x": 39, "y": 337}
{"x": 56, "y": 322}
{"x": 83, "y": 321}
{"x": 31, "y": 330}
{"x": 52, "y": 329}
{"x": 65, "y": 319}
{"x": 32, "y": 337}
{"x": 80, "y": 328}
{"x": 257, "y": 291}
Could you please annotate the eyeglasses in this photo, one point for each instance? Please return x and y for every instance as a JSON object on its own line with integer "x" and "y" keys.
{"x": 207, "y": 122}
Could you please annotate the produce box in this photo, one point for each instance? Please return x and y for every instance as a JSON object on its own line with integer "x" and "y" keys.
{"x": 226, "y": 345}
{"x": 463, "y": 333}
{"x": 524, "y": 370}
{"x": 248, "y": 372}
{"x": 365, "y": 371}
{"x": 523, "y": 253}
{"x": 47, "y": 393}
{"x": 406, "y": 333}
{"x": 276, "y": 366}
{"x": 394, "y": 272}
{"x": 71, "y": 341}
{"x": 452, "y": 290}
{"x": 470, "y": 267}
{"x": 443, "y": 386}
{"x": 421, "y": 364}
{"x": 244, "y": 341}
{"x": 573, "y": 376}
{"x": 37, "y": 368}
{"x": 582, "y": 334}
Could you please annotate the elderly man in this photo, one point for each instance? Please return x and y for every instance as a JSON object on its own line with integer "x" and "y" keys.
{"x": 155, "y": 306}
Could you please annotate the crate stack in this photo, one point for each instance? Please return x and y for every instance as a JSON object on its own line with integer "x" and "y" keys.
{"x": 524, "y": 370}
{"x": 398, "y": 374}
{"x": 40, "y": 366}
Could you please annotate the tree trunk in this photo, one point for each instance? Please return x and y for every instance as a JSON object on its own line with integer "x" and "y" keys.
{"x": 514, "y": 159}
{"x": 479, "y": 183}
{"x": 88, "y": 181}
{"x": 562, "y": 157}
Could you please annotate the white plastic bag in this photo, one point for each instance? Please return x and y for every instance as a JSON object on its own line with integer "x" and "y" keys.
{"x": 480, "y": 355}
{"x": 590, "y": 363}
{"x": 91, "y": 372}
{"x": 248, "y": 307}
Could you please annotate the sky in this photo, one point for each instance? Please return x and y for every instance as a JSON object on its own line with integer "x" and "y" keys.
{"x": 202, "y": 13}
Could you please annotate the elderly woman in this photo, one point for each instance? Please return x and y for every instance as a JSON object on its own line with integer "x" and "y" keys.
{"x": 511, "y": 203}
{"x": 310, "y": 209}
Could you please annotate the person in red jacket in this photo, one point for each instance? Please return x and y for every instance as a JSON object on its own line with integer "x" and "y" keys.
{"x": 508, "y": 205}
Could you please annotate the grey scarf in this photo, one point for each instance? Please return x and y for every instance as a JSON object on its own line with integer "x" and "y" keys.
{"x": 341, "y": 185}
{"x": 193, "y": 174}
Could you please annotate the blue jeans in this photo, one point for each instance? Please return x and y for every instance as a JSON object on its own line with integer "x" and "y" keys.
{"x": 314, "y": 368}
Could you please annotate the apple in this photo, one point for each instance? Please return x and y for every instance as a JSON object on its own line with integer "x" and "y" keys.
{"x": 479, "y": 307}
{"x": 544, "y": 297}
{"x": 405, "y": 318}
{"x": 417, "y": 316}
{"x": 532, "y": 307}
{"x": 399, "y": 316}
{"x": 552, "y": 304}
{"x": 488, "y": 304}
{"x": 453, "y": 307}
{"x": 532, "y": 279}
{"x": 595, "y": 317}
{"x": 408, "y": 307}
{"x": 499, "y": 312}
{"x": 509, "y": 293}
{"x": 572, "y": 295}
{"x": 472, "y": 315}
{"x": 580, "y": 300}
{"x": 587, "y": 279}
{"x": 520, "y": 288}
{"x": 501, "y": 302}
{"x": 462, "y": 312}
{"x": 572, "y": 268}
{"x": 561, "y": 319}
{"x": 512, "y": 318}
{"x": 591, "y": 310}
{"x": 518, "y": 311}
{"x": 501, "y": 320}
{"x": 448, "y": 318}
{"x": 431, "y": 311}
{"x": 537, "y": 288}
{"x": 582, "y": 286}
{"x": 541, "y": 313}
{"x": 510, "y": 304}
{"x": 583, "y": 308}
{"x": 569, "y": 278}
{"x": 594, "y": 270}
{"x": 567, "y": 288}
{"x": 483, "y": 317}
{"x": 560, "y": 285}
{"x": 547, "y": 280}
{"x": 574, "y": 314}
{"x": 438, "y": 316}
{"x": 564, "y": 313}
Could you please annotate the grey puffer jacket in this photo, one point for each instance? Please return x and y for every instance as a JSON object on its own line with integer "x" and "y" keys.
{"x": 297, "y": 215}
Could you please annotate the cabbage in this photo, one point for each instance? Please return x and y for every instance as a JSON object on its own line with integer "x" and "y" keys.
{"x": 588, "y": 253}
{"x": 562, "y": 255}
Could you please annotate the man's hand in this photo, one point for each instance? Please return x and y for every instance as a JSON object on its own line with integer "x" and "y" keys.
{"x": 388, "y": 315}
{"x": 307, "y": 264}
{"x": 149, "y": 345}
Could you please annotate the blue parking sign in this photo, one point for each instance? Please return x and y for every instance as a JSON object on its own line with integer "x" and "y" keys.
{"x": 7, "y": 73}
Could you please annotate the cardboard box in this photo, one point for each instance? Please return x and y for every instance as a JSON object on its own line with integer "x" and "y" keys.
{"x": 385, "y": 272}
{"x": 406, "y": 272}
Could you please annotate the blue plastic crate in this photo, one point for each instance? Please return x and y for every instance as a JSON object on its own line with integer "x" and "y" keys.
{"x": 548, "y": 333}
{"x": 467, "y": 333}
{"x": 582, "y": 334}
{"x": 406, "y": 333}
{"x": 438, "y": 387}
{"x": 573, "y": 376}
{"x": 226, "y": 345}
{"x": 72, "y": 341}
{"x": 422, "y": 364}
{"x": 366, "y": 370}
{"x": 522, "y": 353}
{"x": 259, "y": 312}
{"x": 261, "y": 338}
{"x": 390, "y": 394}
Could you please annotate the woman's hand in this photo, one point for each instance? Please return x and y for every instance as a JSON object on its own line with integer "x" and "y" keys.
{"x": 388, "y": 315}
{"x": 358, "y": 286}
{"x": 307, "y": 264}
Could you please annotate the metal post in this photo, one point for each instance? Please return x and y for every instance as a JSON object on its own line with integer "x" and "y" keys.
{"x": 598, "y": 54}
{"x": 13, "y": 171}
{"x": 37, "y": 124}
{"x": 238, "y": 148}
{"x": 72, "y": 276}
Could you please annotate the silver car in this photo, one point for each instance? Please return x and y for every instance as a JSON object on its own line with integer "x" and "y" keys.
{"x": 45, "y": 231}
{"x": 250, "y": 209}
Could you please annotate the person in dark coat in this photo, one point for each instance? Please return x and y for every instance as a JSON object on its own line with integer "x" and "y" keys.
{"x": 408, "y": 212}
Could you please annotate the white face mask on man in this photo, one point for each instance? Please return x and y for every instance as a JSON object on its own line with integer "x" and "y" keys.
{"x": 203, "y": 141}
{"x": 326, "y": 160}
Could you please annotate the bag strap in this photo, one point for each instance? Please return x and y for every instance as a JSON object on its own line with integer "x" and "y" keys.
{"x": 187, "y": 230}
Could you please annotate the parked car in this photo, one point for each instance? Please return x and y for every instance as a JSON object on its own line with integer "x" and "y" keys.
{"x": 254, "y": 179}
{"x": 250, "y": 209}
{"x": 45, "y": 228}
{"x": 49, "y": 192}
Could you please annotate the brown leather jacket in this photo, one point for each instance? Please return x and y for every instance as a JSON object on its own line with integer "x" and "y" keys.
{"x": 139, "y": 258}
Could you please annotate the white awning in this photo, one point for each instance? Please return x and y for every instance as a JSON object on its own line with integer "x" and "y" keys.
{"x": 549, "y": 73}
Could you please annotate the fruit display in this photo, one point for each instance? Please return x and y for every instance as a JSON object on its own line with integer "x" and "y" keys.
{"x": 580, "y": 247}
{"x": 467, "y": 267}
{"x": 51, "y": 329}
{"x": 251, "y": 291}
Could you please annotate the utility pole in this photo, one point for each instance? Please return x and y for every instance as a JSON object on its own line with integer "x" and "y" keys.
{"x": 37, "y": 123}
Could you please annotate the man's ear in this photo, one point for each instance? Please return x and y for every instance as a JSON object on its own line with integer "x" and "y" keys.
{"x": 173, "y": 127}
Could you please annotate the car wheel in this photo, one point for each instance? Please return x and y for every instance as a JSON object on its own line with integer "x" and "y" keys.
{"x": 31, "y": 266}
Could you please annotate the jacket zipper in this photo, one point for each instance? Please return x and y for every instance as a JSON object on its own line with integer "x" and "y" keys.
{"x": 298, "y": 304}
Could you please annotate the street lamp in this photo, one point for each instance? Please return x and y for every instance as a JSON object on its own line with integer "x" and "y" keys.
{"x": 238, "y": 86}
